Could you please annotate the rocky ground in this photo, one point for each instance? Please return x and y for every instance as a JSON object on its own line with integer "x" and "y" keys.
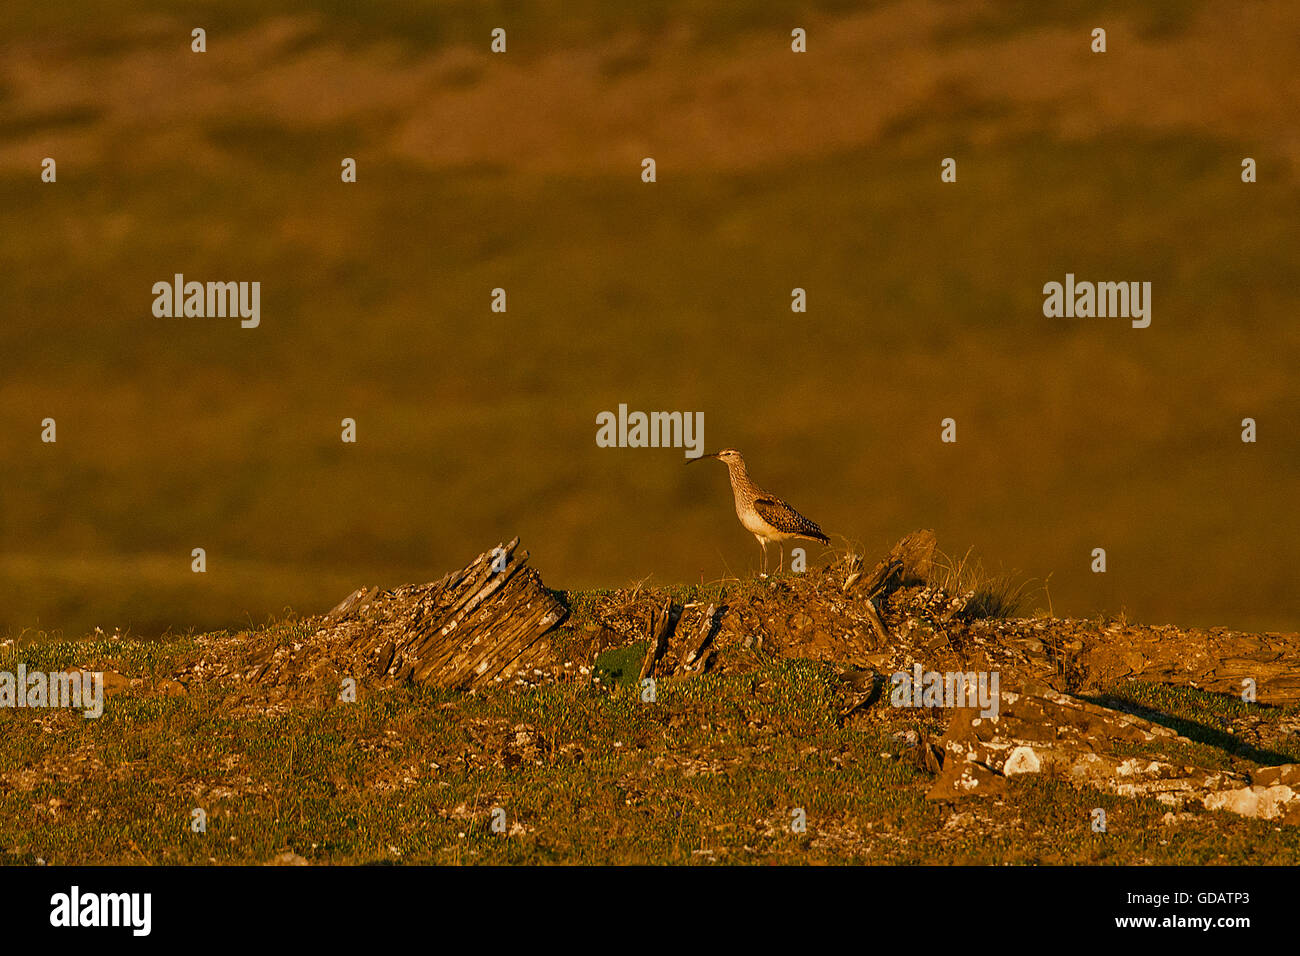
{"x": 670, "y": 724}
{"x": 480, "y": 628}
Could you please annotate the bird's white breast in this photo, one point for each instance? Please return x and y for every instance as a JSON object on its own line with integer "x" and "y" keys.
{"x": 756, "y": 525}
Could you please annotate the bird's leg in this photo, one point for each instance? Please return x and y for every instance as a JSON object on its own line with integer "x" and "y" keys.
{"x": 781, "y": 564}
{"x": 762, "y": 543}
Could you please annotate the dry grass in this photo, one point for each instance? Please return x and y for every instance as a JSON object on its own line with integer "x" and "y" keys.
{"x": 992, "y": 594}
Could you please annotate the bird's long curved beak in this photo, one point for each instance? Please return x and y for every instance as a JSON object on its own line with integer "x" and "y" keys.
{"x": 702, "y": 457}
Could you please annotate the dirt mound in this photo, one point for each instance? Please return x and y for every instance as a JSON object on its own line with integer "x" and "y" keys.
{"x": 1039, "y": 709}
{"x": 474, "y": 627}
{"x": 494, "y": 621}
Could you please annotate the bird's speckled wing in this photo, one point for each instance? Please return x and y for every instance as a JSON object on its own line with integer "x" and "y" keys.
{"x": 784, "y": 518}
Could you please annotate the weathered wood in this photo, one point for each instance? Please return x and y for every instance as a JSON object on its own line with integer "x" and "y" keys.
{"x": 695, "y": 656}
{"x": 911, "y": 559}
{"x": 661, "y": 626}
{"x": 873, "y": 618}
{"x": 465, "y": 630}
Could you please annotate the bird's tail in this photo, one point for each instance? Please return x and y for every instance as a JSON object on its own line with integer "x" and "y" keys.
{"x": 810, "y": 531}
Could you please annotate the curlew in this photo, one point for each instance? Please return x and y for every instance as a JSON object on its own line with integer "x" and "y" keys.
{"x": 765, "y": 516}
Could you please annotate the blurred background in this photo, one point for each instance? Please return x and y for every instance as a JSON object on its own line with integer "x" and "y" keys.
{"x": 522, "y": 171}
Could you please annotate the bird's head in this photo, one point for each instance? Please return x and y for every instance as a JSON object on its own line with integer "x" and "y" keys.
{"x": 728, "y": 455}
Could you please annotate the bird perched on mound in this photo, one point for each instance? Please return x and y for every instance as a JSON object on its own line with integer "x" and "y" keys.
{"x": 765, "y": 516}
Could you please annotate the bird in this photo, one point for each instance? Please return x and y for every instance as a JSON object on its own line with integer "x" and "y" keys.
{"x": 765, "y": 516}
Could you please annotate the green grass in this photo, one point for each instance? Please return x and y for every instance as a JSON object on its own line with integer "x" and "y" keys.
{"x": 1204, "y": 718}
{"x": 621, "y": 666}
{"x": 708, "y": 773}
